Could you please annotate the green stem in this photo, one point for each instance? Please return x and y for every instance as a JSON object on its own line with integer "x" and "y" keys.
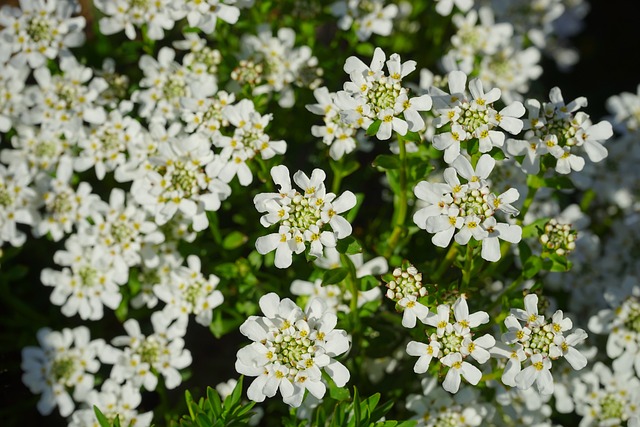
{"x": 337, "y": 176}
{"x": 352, "y": 280}
{"x": 446, "y": 263}
{"x": 466, "y": 272}
{"x": 531, "y": 194}
{"x": 506, "y": 291}
{"x": 265, "y": 173}
{"x": 400, "y": 205}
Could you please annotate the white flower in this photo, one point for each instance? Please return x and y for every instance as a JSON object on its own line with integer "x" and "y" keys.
{"x": 165, "y": 83}
{"x": 290, "y": 349}
{"x": 182, "y": 178}
{"x": 65, "y": 101}
{"x": 539, "y": 372}
{"x": 621, "y": 324}
{"x": 87, "y": 283}
{"x": 126, "y": 15}
{"x": 13, "y": 103}
{"x": 373, "y": 17}
{"x": 466, "y": 210}
{"x": 65, "y": 360}
{"x": 17, "y": 204}
{"x": 459, "y": 368}
{"x": 189, "y": 292}
{"x": 472, "y": 116}
{"x": 452, "y": 342}
{"x": 303, "y": 217}
{"x": 444, "y": 7}
{"x": 113, "y": 400}
{"x": 337, "y": 134}
{"x": 205, "y": 14}
{"x": 564, "y": 132}
{"x": 64, "y": 207}
{"x": 249, "y": 139}
{"x": 105, "y": 146}
{"x": 162, "y": 352}
{"x": 542, "y": 342}
{"x": 277, "y": 64}
{"x": 371, "y": 95}
{"x": 40, "y": 30}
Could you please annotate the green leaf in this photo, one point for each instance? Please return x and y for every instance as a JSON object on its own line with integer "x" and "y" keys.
{"x": 356, "y": 406}
{"x": 349, "y": 245}
{"x": 234, "y": 240}
{"x": 413, "y": 137}
{"x": 104, "y": 422}
{"x": 524, "y": 250}
{"x": 351, "y": 215}
{"x": 331, "y": 277}
{"x": 213, "y": 400}
{"x": 234, "y": 398}
{"x": 534, "y": 181}
{"x": 473, "y": 146}
{"x": 338, "y": 393}
{"x": 532, "y": 230}
{"x": 368, "y": 283}
{"x": 386, "y": 162}
{"x": 373, "y": 128}
{"x": 532, "y": 266}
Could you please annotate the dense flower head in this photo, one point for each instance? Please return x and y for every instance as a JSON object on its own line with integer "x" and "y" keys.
{"x": 467, "y": 209}
{"x": 40, "y": 30}
{"x": 606, "y": 396}
{"x": 274, "y": 65}
{"x": 145, "y": 357}
{"x": 366, "y": 17}
{"x": 113, "y": 400}
{"x": 65, "y": 360}
{"x": 290, "y": 349}
{"x": 559, "y": 129}
{"x": 452, "y": 342}
{"x": 372, "y": 95}
{"x": 535, "y": 341}
{"x": 622, "y": 324}
{"x": 303, "y": 217}
{"x": 471, "y": 116}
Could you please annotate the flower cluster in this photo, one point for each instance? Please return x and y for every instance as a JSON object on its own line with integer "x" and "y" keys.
{"x": 536, "y": 342}
{"x": 290, "y": 349}
{"x": 373, "y": 96}
{"x": 467, "y": 209}
{"x": 471, "y": 116}
{"x": 559, "y": 129}
{"x": 452, "y": 343}
{"x": 303, "y": 217}
{"x": 366, "y": 17}
{"x": 335, "y": 133}
{"x": 621, "y": 323}
{"x": 65, "y": 360}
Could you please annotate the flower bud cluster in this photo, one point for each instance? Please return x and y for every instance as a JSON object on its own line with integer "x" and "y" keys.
{"x": 406, "y": 282}
{"x": 558, "y": 238}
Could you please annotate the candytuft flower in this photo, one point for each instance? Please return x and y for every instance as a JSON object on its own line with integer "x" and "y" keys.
{"x": 291, "y": 348}
{"x": 303, "y": 217}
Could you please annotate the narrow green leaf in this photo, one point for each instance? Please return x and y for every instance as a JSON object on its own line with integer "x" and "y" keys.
{"x": 373, "y": 128}
{"x": 356, "y": 406}
{"x": 533, "y": 265}
{"x": 386, "y": 162}
{"x": 413, "y": 137}
{"x": 234, "y": 240}
{"x": 331, "y": 277}
{"x": 349, "y": 245}
{"x": 104, "y": 422}
{"x": 213, "y": 400}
